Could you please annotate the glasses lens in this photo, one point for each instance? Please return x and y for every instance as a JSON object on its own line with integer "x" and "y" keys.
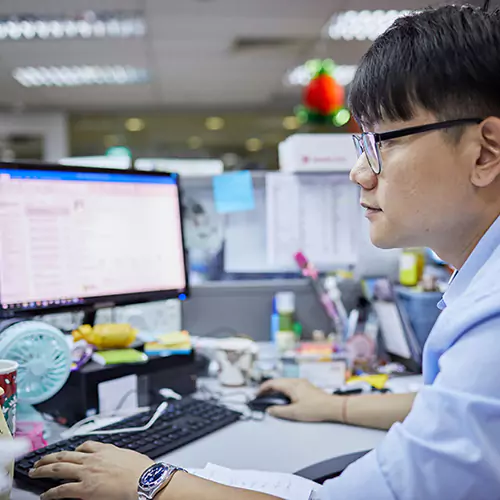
{"x": 357, "y": 145}
{"x": 371, "y": 151}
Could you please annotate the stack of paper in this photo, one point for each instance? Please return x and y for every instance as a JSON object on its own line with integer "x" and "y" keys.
{"x": 169, "y": 344}
{"x": 285, "y": 486}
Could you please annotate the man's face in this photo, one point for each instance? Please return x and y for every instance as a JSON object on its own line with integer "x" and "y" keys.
{"x": 423, "y": 194}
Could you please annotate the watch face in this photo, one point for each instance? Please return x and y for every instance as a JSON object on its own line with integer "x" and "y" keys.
{"x": 153, "y": 476}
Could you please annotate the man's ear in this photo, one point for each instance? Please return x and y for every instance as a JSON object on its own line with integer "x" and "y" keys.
{"x": 487, "y": 167}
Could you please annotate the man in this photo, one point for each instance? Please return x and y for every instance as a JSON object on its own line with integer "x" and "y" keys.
{"x": 427, "y": 95}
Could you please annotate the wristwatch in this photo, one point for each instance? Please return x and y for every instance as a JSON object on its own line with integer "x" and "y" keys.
{"x": 154, "y": 479}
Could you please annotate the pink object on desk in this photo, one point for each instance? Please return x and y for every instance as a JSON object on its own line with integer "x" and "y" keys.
{"x": 309, "y": 271}
{"x": 33, "y": 431}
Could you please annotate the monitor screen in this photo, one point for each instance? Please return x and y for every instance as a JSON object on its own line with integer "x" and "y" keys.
{"x": 71, "y": 237}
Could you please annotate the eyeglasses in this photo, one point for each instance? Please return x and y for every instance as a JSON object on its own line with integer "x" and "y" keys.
{"x": 369, "y": 142}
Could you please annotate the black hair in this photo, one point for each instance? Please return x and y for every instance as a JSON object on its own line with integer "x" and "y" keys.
{"x": 445, "y": 60}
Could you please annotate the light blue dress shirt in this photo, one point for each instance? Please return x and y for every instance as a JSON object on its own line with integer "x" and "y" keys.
{"x": 448, "y": 448}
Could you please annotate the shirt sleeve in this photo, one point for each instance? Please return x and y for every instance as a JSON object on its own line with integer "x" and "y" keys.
{"x": 448, "y": 446}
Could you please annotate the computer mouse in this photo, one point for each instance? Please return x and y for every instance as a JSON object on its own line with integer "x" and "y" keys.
{"x": 267, "y": 399}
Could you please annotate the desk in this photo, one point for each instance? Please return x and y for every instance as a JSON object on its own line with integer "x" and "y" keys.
{"x": 272, "y": 444}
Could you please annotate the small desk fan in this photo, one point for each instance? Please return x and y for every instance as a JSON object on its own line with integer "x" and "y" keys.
{"x": 44, "y": 358}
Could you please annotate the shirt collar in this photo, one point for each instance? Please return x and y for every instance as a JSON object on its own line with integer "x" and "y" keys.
{"x": 462, "y": 278}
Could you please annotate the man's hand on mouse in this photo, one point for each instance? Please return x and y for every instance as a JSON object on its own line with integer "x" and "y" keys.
{"x": 309, "y": 403}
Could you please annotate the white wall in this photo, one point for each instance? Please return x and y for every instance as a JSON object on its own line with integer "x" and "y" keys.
{"x": 53, "y": 127}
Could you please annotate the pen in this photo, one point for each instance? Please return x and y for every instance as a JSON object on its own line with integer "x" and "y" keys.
{"x": 309, "y": 271}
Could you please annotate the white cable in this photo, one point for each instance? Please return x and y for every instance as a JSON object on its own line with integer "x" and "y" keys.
{"x": 69, "y": 433}
{"x": 158, "y": 413}
{"x": 170, "y": 394}
{"x": 166, "y": 393}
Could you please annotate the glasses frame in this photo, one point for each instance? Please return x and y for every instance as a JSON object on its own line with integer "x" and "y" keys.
{"x": 361, "y": 142}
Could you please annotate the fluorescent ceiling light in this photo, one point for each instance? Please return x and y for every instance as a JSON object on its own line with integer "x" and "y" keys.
{"x": 301, "y": 75}
{"x": 362, "y": 25}
{"x": 91, "y": 25}
{"x": 75, "y": 76}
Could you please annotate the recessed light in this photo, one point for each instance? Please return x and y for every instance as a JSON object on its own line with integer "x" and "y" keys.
{"x": 215, "y": 123}
{"x": 29, "y": 27}
{"x": 362, "y": 25}
{"x": 291, "y": 123}
{"x": 135, "y": 124}
{"x": 195, "y": 142}
{"x": 75, "y": 76}
{"x": 301, "y": 75}
{"x": 253, "y": 145}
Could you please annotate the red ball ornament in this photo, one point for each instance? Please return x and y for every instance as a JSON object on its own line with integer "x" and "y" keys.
{"x": 324, "y": 95}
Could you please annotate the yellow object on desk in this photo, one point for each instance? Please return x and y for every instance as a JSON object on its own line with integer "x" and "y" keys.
{"x": 119, "y": 357}
{"x": 169, "y": 343}
{"x": 411, "y": 266}
{"x": 378, "y": 381}
{"x": 174, "y": 338}
{"x": 106, "y": 336}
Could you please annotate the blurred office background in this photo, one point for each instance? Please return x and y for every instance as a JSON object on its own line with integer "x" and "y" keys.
{"x": 139, "y": 83}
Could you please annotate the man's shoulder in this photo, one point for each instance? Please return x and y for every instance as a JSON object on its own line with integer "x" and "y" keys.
{"x": 486, "y": 283}
{"x": 479, "y": 303}
{"x": 481, "y": 299}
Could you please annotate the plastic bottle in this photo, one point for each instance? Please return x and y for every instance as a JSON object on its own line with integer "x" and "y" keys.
{"x": 285, "y": 307}
{"x": 411, "y": 266}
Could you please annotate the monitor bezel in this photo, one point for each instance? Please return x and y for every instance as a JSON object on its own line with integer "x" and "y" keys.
{"x": 106, "y": 301}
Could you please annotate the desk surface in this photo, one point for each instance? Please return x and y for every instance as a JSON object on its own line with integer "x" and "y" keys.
{"x": 271, "y": 444}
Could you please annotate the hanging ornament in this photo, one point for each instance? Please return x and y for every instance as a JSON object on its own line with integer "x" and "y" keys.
{"x": 323, "y": 97}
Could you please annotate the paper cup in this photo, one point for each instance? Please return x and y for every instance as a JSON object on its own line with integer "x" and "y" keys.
{"x": 8, "y": 401}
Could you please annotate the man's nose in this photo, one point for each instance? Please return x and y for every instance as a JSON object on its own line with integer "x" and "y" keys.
{"x": 363, "y": 175}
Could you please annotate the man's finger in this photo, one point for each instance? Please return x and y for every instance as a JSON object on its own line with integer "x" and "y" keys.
{"x": 90, "y": 447}
{"x": 287, "y": 412}
{"x": 71, "y": 457}
{"x": 69, "y": 490}
{"x": 64, "y": 471}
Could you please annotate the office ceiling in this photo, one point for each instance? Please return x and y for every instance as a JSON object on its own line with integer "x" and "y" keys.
{"x": 200, "y": 53}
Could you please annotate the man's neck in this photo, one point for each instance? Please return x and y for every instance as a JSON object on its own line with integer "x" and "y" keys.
{"x": 456, "y": 252}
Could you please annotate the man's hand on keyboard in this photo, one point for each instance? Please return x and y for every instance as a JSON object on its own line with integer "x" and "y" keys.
{"x": 103, "y": 472}
{"x": 96, "y": 471}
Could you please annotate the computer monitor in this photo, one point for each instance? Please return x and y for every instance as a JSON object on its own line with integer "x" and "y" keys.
{"x": 80, "y": 238}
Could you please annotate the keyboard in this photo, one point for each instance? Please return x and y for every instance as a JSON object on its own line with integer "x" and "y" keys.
{"x": 183, "y": 422}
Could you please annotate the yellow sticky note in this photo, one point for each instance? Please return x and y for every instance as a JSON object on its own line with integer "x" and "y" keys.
{"x": 174, "y": 338}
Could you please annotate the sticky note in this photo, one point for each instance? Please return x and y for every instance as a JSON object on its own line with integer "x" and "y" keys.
{"x": 233, "y": 192}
